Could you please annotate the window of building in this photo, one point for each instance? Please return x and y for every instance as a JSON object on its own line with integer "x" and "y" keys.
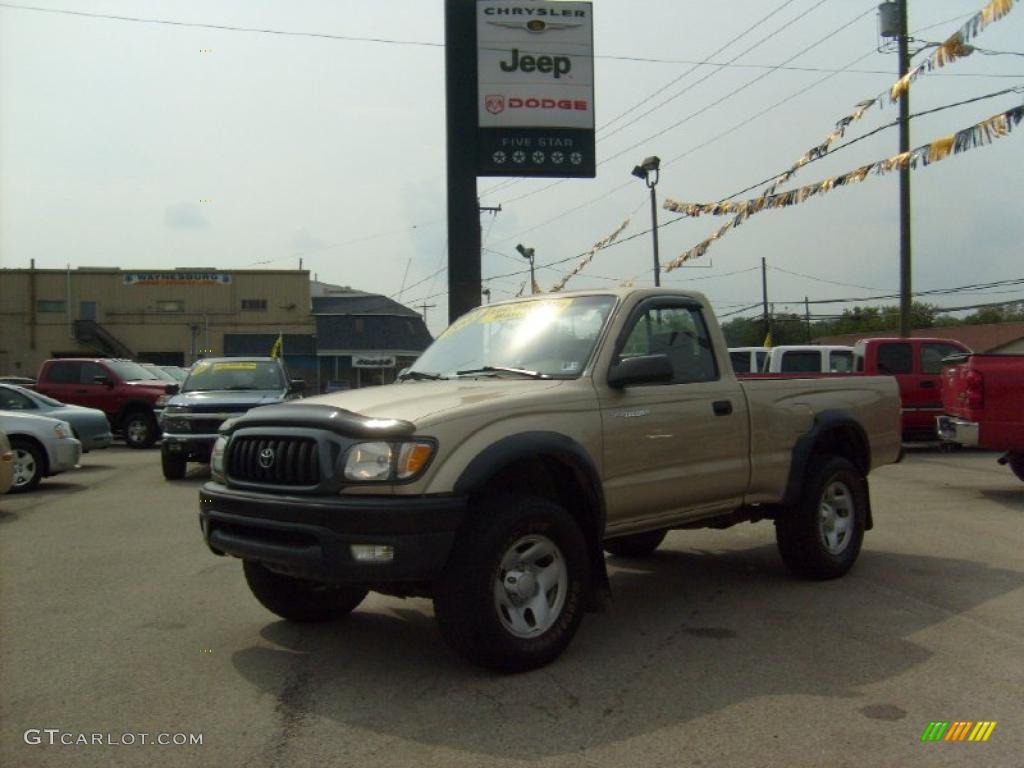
{"x": 175, "y": 305}
{"x": 50, "y": 305}
{"x": 254, "y": 305}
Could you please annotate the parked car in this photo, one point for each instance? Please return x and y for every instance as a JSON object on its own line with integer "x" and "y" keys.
{"x": 88, "y": 425}
{"x": 215, "y": 390}
{"x": 6, "y": 464}
{"x": 808, "y": 358}
{"x": 42, "y": 447}
{"x": 125, "y": 391}
{"x": 530, "y": 436}
{"x": 177, "y": 372}
{"x": 916, "y": 364}
{"x": 159, "y": 373}
{"x": 983, "y": 400}
{"x": 748, "y": 359}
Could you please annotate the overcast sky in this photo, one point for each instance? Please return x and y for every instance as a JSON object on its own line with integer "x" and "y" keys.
{"x": 113, "y": 132}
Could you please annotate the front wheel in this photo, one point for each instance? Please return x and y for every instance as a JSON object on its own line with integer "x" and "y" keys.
{"x": 28, "y": 465}
{"x": 820, "y": 537}
{"x": 173, "y": 465}
{"x": 1016, "y": 462}
{"x": 300, "y": 600}
{"x": 513, "y": 592}
{"x": 139, "y": 429}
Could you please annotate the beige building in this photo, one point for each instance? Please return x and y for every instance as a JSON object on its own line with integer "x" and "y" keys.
{"x": 167, "y": 316}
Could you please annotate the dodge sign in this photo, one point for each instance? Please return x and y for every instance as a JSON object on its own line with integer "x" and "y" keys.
{"x": 535, "y": 88}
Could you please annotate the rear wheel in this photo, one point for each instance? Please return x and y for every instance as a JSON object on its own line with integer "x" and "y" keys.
{"x": 29, "y": 465}
{"x": 635, "y": 545}
{"x": 820, "y": 537}
{"x": 512, "y": 594}
{"x": 300, "y": 600}
{"x": 174, "y": 464}
{"x": 1016, "y": 463}
{"x": 139, "y": 429}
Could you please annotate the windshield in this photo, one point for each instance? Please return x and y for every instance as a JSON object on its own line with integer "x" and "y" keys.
{"x": 129, "y": 371}
{"x": 553, "y": 337}
{"x": 240, "y": 375}
{"x": 159, "y": 373}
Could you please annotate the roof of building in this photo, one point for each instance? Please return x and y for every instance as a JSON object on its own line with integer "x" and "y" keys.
{"x": 380, "y": 333}
{"x": 979, "y": 338}
{"x": 358, "y": 303}
{"x": 260, "y": 344}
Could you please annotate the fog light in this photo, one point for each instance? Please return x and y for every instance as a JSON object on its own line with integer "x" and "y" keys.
{"x": 373, "y": 553}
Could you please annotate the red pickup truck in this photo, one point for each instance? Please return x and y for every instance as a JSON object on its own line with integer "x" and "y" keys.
{"x": 916, "y": 364}
{"x": 983, "y": 400}
{"x": 122, "y": 389}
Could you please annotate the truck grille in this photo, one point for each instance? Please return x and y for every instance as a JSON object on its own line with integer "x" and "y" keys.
{"x": 274, "y": 460}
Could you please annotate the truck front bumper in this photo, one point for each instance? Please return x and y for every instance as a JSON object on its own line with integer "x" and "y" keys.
{"x": 953, "y": 430}
{"x": 313, "y": 536}
{"x": 192, "y": 447}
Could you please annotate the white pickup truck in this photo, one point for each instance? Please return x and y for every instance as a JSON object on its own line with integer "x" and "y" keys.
{"x": 529, "y": 439}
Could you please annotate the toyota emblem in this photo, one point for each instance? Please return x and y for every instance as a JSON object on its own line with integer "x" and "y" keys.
{"x": 267, "y": 458}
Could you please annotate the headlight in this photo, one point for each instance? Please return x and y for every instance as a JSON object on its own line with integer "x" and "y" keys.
{"x": 368, "y": 462}
{"x": 217, "y": 459}
{"x": 61, "y": 431}
{"x": 383, "y": 462}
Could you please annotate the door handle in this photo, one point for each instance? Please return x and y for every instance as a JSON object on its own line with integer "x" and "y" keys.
{"x": 927, "y": 385}
{"x": 722, "y": 407}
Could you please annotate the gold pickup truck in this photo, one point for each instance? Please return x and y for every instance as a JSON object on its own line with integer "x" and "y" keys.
{"x": 532, "y": 437}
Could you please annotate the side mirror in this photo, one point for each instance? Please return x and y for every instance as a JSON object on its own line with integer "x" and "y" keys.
{"x": 102, "y": 380}
{"x": 648, "y": 369}
{"x": 297, "y": 385}
{"x": 172, "y": 389}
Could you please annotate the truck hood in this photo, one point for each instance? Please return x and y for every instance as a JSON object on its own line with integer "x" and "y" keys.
{"x": 424, "y": 401}
{"x": 229, "y": 400}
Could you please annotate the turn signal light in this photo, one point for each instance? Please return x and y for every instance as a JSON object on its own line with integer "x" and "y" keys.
{"x": 412, "y": 458}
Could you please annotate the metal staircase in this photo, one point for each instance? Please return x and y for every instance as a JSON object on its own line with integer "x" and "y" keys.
{"x": 92, "y": 334}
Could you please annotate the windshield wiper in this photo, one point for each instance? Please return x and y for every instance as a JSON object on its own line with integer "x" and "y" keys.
{"x": 504, "y": 369}
{"x": 421, "y": 376}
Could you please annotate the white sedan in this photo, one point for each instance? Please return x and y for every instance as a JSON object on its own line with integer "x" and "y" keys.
{"x": 42, "y": 447}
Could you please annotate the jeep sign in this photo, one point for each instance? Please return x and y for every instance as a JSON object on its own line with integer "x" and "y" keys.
{"x": 535, "y": 88}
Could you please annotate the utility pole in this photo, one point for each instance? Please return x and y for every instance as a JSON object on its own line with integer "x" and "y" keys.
{"x": 905, "y": 274}
{"x": 461, "y": 144}
{"x": 764, "y": 295}
{"x": 807, "y": 318}
{"x": 424, "y": 306}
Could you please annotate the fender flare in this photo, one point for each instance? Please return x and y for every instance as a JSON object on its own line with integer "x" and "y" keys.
{"x": 489, "y": 462}
{"x": 803, "y": 450}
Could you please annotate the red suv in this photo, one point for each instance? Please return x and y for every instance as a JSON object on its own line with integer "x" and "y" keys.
{"x": 122, "y": 389}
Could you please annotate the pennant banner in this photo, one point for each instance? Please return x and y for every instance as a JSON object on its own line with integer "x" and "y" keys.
{"x": 955, "y": 47}
{"x": 589, "y": 256}
{"x": 977, "y": 135}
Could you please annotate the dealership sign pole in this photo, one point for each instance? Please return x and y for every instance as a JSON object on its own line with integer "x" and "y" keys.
{"x": 520, "y": 102}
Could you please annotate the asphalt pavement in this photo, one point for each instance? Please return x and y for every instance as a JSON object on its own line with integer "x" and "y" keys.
{"x": 115, "y": 620}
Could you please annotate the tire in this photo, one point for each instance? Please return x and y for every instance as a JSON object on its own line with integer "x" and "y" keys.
{"x": 29, "y": 465}
{"x": 821, "y": 536}
{"x": 1016, "y": 463}
{"x": 139, "y": 428}
{"x": 635, "y": 545}
{"x": 490, "y": 601}
{"x": 173, "y": 464}
{"x": 300, "y": 600}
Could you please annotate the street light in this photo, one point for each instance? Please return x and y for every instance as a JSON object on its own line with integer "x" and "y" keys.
{"x": 644, "y": 171}
{"x": 527, "y": 253}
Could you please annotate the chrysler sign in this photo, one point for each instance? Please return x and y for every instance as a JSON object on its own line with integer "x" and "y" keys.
{"x": 535, "y": 88}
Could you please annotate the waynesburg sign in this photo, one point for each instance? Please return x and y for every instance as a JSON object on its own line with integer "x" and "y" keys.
{"x": 535, "y": 88}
